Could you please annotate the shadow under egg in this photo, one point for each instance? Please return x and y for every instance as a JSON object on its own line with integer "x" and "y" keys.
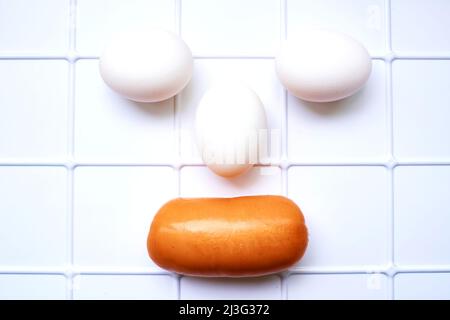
{"x": 336, "y": 108}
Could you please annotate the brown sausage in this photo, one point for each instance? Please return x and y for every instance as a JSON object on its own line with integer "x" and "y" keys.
{"x": 228, "y": 237}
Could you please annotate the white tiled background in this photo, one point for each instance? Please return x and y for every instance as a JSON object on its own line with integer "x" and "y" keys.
{"x": 82, "y": 171}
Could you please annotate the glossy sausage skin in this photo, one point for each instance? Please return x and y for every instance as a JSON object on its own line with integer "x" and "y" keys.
{"x": 228, "y": 237}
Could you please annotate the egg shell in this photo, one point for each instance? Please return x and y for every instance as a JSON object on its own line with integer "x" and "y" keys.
{"x": 229, "y": 120}
{"x": 322, "y": 65}
{"x": 146, "y": 64}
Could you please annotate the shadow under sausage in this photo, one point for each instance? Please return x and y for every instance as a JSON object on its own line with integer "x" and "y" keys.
{"x": 235, "y": 287}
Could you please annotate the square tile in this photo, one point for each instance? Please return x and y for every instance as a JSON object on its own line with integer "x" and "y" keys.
{"x": 33, "y": 215}
{"x": 109, "y": 127}
{"x": 32, "y": 287}
{"x": 124, "y": 287}
{"x": 422, "y": 286}
{"x": 258, "y": 74}
{"x": 422, "y": 209}
{"x": 98, "y": 20}
{"x": 430, "y": 35}
{"x": 113, "y": 209}
{"x": 260, "y": 288}
{"x": 337, "y": 287}
{"x": 38, "y": 27}
{"x": 347, "y": 213}
{"x": 421, "y": 102}
{"x": 231, "y": 27}
{"x": 33, "y": 108}
{"x": 202, "y": 182}
{"x": 347, "y": 130}
{"x": 363, "y": 20}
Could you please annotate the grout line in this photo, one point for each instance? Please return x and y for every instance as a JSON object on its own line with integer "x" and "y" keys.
{"x": 33, "y": 270}
{"x": 175, "y": 165}
{"x": 284, "y": 134}
{"x": 283, "y": 19}
{"x": 418, "y": 56}
{"x": 284, "y": 285}
{"x": 70, "y": 143}
{"x": 177, "y": 127}
{"x": 391, "y": 232}
{"x": 177, "y": 116}
{"x": 391, "y": 226}
{"x": 124, "y": 164}
{"x": 262, "y": 57}
{"x": 32, "y": 57}
{"x": 178, "y": 286}
{"x": 381, "y": 269}
{"x": 75, "y": 56}
{"x": 137, "y": 272}
{"x": 284, "y": 117}
{"x": 178, "y": 182}
{"x": 423, "y": 269}
{"x": 284, "y": 137}
{"x": 37, "y": 163}
{"x": 70, "y": 235}
{"x": 387, "y": 270}
{"x": 338, "y": 164}
{"x": 390, "y": 142}
{"x": 388, "y": 27}
{"x": 177, "y": 21}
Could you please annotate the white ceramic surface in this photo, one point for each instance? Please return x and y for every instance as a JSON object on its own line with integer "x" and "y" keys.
{"x": 83, "y": 171}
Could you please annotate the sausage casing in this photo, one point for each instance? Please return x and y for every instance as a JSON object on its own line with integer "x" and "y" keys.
{"x": 228, "y": 237}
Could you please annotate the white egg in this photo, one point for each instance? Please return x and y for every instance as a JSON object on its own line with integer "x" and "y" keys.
{"x": 146, "y": 64}
{"x": 322, "y": 66}
{"x": 229, "y": 120}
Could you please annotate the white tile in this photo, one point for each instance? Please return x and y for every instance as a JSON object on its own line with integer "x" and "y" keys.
{"x": 202, "y": 182}
{"x": 420, "y": 26}
{"x": 346, "y": 212}
{"x": 110, "y": 127}
{"x": 363, "y": 20}
{"x": 422, "y": 209}
{"x": 231, "y": 27}
{"x": 229, "y": 288}
{"x": 257, "y": 74}
{"x": 113, "y": 209}
{"x": 337, "y": 287}
{"x": 33, "y": 214}
{"x": 34, "y": 26}
{"x": 124, "y": 287}
{"x": 98, "y": 20}
{"x": 350, "y": 129}
{"x": 33, "y": 108}
{"x": 421, "y": 109}
{"x": 422, "y": 286}
{"x": 32, "y": 287}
